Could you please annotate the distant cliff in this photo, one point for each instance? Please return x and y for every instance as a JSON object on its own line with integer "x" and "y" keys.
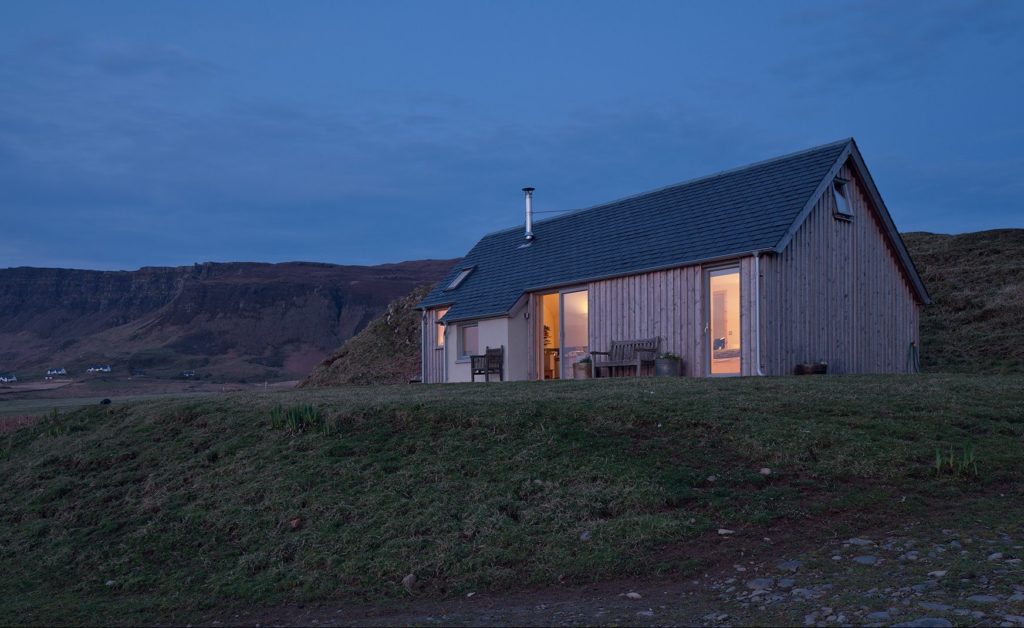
{"x": 230, "y": 321}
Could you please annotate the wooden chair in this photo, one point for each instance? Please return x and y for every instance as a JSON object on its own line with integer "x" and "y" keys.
{"x": 634, "y": 354}
{"x": 492, "y": 361}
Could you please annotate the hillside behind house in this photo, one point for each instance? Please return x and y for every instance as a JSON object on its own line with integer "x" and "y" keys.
{"x": 228, "y": 321}
{"x": 387, "y": 351}
{"x": 976, "y": 280}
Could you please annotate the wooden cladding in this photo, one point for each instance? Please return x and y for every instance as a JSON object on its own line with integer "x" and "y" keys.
{"x": 669, "y": 304}
{"x": 433, "y": 355}
{"x": 838, "y": 293}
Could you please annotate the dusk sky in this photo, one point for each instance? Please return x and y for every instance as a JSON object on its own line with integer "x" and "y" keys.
{"x": 166, "y": 133}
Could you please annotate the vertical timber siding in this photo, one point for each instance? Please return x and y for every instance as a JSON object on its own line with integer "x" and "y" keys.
{"x": 433, "y": 357}
{"x": 668, "y": 304}
{"x": 838, "y": 293}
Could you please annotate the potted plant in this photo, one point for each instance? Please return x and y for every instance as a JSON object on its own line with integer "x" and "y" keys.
{"x": 668, "y": 365}
{"x": 583, "y": 369}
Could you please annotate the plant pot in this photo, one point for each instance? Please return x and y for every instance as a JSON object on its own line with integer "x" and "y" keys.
{"x": 582, "y": 370}
{"x": 668, "y": 367}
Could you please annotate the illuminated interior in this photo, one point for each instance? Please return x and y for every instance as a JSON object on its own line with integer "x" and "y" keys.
{"x": 550, "y": 334}
{"x": 565, "y": 333}
{"x": 724, "y": 325}
{"x": 440, "y": 328}
{"x": 575, "y": 330}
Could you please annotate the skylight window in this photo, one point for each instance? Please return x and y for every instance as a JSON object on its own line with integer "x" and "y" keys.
{"x": 459, "y": 278}
{"x": 839, "y": 192}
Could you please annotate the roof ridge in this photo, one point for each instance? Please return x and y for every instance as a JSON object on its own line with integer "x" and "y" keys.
{"x": 572, "y": 212}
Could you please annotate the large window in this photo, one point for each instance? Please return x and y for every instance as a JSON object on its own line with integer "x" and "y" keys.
{"x": 439, "y": 314}
{"x": 724, "y": 312}
{"x": 468, "y": 340}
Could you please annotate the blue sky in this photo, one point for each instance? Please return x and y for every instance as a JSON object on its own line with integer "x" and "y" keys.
{"x": 149, "y": 133}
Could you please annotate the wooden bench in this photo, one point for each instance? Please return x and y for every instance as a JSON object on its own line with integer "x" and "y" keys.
{"x": 492, "y": 361}
{"x": 634, "y": 354}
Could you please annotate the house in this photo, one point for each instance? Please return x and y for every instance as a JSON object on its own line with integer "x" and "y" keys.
{"x": 99, "y": 368}
{"x": 751, "y": 271}
{"x": 8, "y": 378}
{"x": 59, "y": 371}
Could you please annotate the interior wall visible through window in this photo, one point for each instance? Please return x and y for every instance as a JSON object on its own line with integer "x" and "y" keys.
{"x": 468, "y": 340}
{"x": 439, "y": 314}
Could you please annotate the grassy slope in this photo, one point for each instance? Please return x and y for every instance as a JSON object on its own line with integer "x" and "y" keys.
{"x": 977, "y": 284}
{"x": 387, "y": 351}
{"x": 183, "y": 504}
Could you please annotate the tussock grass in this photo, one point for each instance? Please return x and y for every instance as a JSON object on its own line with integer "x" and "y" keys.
{"x": 164, "y": 507}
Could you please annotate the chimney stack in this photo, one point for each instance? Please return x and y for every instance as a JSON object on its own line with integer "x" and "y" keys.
{"x": 529, "y": 212}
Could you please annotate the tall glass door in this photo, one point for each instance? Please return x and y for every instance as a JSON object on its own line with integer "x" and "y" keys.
{"x": 724, "y": 338}
{"x": 575, "y": 330}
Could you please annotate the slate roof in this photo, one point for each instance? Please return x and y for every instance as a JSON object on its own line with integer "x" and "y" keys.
{"x": 723, "y": 215}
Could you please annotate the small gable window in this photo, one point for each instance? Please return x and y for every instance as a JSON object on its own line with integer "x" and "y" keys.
{"x": 455, "y": 283}
{"x": 468, "y": 340}
{"x": 841, "y": 194}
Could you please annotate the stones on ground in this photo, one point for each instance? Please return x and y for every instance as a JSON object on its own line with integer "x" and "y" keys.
{"x": 811, "y": 619}
{"x": 585, "y": 535}
{"x": 789, "y": 565}
{"x": 983, "y": 599}
{"x": 295, "y": 523}
{"x": 647, "y": 613}
{"x": 995, "y": 556}
{"x": 765, "y": 471}
{"x": 937, "y": 574}
{"x": 878, "y": 616}
{"x": 786, "y": 583}
{"x": 633, "y": 595}
{"x": 409, "y": 582}
{"x": 865, "y": 560}
{"x": 927, "y": 622}
{"x": 712, "y": 478}
{"x": 1017, "y": 597}
{"x": 761, "y": 584}
{"x": 110, "y": 583}
{"x": 725, "y": 532}
{"x": 938, "y": 607}
{"x": 859, "y": 542}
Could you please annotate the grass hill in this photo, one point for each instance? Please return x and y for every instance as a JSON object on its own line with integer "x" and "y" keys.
{"x": 976, "y": 323}
{"x": 387, "y": 351}
{"x": 154, "y": 511}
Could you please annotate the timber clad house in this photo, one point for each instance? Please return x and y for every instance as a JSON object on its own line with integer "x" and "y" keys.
{"x": 751, "y": 271}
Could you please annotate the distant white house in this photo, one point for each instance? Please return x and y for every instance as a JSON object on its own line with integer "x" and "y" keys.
{"x": 56, "y": 372}
{"x": 99, "y": 369}
{"x": 8, "y": 378}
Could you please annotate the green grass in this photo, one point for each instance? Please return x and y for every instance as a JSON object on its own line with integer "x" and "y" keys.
{"x": 188, "y": 504}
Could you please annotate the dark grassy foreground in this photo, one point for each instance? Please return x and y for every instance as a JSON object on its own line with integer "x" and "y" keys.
{"x": 157, "y": 510}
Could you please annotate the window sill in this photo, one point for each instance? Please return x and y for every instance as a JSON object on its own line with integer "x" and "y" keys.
{"x": 439, "y": 348}
{"x": 464, "y": 360}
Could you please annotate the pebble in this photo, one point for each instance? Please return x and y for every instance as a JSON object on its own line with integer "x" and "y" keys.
{"x": 927, "y": 622}
{"x": 409, "y": 582}
{"x": 645, "y": 613}
{"x": 712, "y": 478}
{"x": 1017, "y": 597}
{"x": 786, "y": 583}
{"x": 765, "y": 471}
{"x": 789, "y": 565}
{"x": 725, "y": 532}
{"x": 866, "y": 560}
{"x": 633, "y": 595}
{"x": 995, "y": 556}
{"x": 859, "y": 542}
{"x": 760, "y": 583}
{"x": 585, "y": 535}
{"x": 934, "y": 606}
{"x": 878, "y": 616}
{"x": 983, "y": 599}
{"x": 810, "y": 620}
{"x": 937, "y": 574}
